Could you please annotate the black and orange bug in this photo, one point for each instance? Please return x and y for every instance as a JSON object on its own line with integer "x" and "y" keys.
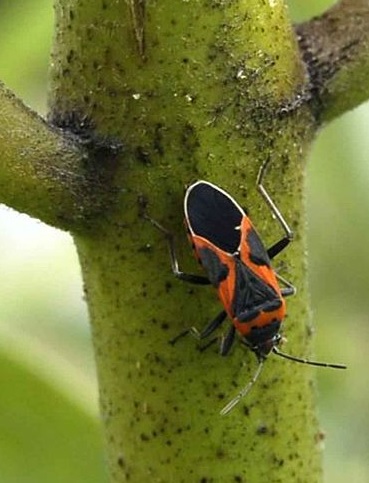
{"x": 238, "y": 265}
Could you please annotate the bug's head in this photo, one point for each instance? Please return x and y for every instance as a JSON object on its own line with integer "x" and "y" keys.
{"x": 262, "y": 340}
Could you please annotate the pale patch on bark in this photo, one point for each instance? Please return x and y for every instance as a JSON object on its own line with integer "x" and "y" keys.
{"x": 137, "y": 9}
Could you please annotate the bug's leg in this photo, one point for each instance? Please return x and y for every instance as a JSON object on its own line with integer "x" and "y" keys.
{"x": 187, "y": 277}
{"x": 289, "y": 289}
{"x": 227, "y": 341}
{"x": 208, "y": 344}
{"x": 281, "y": 244}
{"x": 208, "y": 329}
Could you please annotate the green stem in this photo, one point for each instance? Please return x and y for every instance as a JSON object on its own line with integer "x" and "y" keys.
{"x": 200, "y": 90}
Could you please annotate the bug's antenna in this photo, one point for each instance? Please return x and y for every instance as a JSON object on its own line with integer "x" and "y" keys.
{"x": 247, "y": 388}
{"x": 243, "y": 392}
{"x": 306, "y": 361}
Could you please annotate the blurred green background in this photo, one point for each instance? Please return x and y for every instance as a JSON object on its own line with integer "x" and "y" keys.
{"x": 49, "y": 430}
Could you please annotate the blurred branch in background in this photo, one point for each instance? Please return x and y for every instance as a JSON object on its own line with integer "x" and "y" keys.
{"x": 335, "y": 48}
{"x": 25, "y": 39}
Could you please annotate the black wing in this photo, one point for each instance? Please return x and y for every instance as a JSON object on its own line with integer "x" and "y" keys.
{"x": 212, "y": 214}
{"x": 252, "y": 294}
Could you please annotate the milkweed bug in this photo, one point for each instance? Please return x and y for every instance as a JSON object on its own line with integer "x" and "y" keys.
{"x": 238, "y": 265}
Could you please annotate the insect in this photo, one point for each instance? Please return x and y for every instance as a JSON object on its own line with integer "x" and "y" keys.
{"x": 238, "y": 265}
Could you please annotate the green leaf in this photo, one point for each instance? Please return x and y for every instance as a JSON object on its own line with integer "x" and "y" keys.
{"x": 45, "y": 435}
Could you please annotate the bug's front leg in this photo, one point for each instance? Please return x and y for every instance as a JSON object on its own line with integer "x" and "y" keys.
{"x": 281, "y": 244}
